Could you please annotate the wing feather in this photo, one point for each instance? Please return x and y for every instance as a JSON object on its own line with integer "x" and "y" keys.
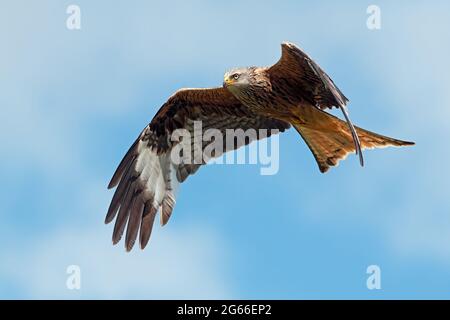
{"x": 312, "y": 83}
{"x": 147, "y": 179}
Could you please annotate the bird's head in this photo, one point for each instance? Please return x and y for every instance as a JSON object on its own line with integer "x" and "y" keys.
{"x": 237, "y": 78}
{"x": 244, "y": 79}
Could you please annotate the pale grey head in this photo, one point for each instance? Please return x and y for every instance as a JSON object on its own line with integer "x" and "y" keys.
{"x": 246, "y": 82}
{"x": 239, "y": 77}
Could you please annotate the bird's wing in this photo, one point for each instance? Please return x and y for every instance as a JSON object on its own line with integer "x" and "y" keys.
{"x": 296, "y": 69}
{"x": 148, "y": 176}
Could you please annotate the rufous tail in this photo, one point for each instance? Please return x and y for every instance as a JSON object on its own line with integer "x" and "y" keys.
{"x": 330, "y": 139}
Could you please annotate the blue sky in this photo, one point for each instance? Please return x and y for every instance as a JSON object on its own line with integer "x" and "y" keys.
{"x": 73, "y": 101}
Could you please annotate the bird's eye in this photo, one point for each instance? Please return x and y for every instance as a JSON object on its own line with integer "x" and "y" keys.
{"x": 235, "y": 76}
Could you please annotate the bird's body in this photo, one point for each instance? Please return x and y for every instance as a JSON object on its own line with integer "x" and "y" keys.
{"x": 294, "y": 91}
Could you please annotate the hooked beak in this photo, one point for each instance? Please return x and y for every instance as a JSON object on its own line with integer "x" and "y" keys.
{"x": 227, "y": 81}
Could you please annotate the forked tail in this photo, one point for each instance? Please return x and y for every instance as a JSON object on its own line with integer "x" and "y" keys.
{"x": 330, "y": 139}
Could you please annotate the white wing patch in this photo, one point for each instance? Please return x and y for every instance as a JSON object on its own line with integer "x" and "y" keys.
{"x": 146, "y": 183}
{"x": 158, "y": 175}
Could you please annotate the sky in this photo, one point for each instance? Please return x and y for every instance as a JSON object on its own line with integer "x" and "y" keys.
{"x": 73, "y": 101}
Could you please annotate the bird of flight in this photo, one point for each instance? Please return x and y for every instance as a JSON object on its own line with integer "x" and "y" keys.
{"x": 294, "y": 91}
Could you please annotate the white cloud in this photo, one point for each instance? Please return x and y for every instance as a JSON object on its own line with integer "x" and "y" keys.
{"x": 405, "y": 65}
{"x": 415, "y": 75}
{"x": 49, "y": 95}
{"x": 422, "y": 232}
{"x": 49, "y": 90}
{"x": 176, "y": 264}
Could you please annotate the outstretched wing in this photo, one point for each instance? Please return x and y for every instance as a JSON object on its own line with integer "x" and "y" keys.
{"x": 147, "y": 177}
{"x": 297, "y": 70}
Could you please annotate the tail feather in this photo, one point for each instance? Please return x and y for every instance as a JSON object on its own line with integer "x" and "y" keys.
{"x": 330, "y": 139}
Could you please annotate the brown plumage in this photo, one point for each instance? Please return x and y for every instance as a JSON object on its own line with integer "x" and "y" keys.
{"x": 294, "y": 91}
